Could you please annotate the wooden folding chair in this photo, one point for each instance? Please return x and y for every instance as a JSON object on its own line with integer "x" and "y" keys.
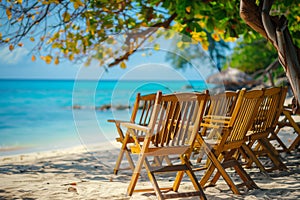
{"x": 141, "y": 113}
{"x": 230, "y": 135}
{"x": 288, "y": 120}
{"x": 171, "y": 131}
{"x": 221, "y": 104}
{"x": 264, "y": 125}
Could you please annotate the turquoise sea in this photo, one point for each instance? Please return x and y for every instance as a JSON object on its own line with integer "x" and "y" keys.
{"x": 38, "y": 115}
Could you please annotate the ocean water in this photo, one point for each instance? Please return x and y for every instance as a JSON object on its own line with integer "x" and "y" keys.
{"x": 38, "y": 115}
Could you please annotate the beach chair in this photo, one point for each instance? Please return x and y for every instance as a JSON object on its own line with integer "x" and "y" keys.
{"x": 172, "y": 130}
{"x": 264, "y": 125}
{"x": 288, "y": 120}
{"x": 229, "y": 135}
{"x": 140, "y": 115}
{"x": 221, "y": 104}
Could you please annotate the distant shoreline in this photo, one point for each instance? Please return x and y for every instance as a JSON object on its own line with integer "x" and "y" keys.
{"x": 132, "y": 80}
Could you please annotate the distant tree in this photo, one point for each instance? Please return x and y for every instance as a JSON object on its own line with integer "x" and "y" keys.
{"x": 254, "y": 56}
{"x": 217, "y": 51}
{"x": 77, "y": 28}
{"x": 258, "y": 58}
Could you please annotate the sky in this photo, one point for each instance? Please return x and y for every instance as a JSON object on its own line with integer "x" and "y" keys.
{"x": 17, "y": 64}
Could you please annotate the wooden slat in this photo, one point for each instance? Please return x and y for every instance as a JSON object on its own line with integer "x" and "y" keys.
{"x": 170, "y": 168}
{"x": 180, "y": 195}
{"x": 151, "y": 189}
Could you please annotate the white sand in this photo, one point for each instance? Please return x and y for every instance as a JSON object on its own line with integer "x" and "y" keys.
{"x": 80, "y": 174}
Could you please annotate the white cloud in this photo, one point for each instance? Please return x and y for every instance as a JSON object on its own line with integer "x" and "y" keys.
{"x": 13, "y": 57}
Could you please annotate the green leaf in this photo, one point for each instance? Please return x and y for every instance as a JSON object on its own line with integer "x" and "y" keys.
{"x": 156, "y": 47}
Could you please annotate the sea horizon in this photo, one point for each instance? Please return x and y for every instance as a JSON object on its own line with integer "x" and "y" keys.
{"x": 48, "y": 114}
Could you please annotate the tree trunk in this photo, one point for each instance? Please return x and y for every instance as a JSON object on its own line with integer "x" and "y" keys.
{"x": 274, "y": 28}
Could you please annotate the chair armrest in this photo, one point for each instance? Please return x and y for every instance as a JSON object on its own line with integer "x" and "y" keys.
{"x": 117, "y": 121}
{"x": 208, "y": 125}
{"x": 216, "y": 119}
{"x": 135, "y": 126}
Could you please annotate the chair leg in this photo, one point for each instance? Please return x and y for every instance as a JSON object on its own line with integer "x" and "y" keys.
{"x": 274, "y": 136}
{"x": 195, "y": 182}
{"x": 230, "y": 160}
{"x": 177, "y": 181}
{"x": 296, "y": 142}
{"x": 118, "y": 162}
{"x": 136, "y": 174}
{"x": 272, "y": 153}
{"x": 153, "y": 180}
{"x": 192, "y": 176}
{"x": 123, "y": 150}
{"x": 253, "y": 157}
{"x": 217, "y": 174}
{"x": 244, "y": 176}
{"x": 120, "y": 158}
{"x": 215, "y": 163}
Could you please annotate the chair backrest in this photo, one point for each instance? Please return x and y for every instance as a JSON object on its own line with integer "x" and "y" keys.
{"x": 142, "y": 109}
{"x": 222, "y": 104}
{"x": 243, "y": 114}
{"x": 268, "y": 109}
{"x": 280, "y": 106}
{"x": 177, "y": 121}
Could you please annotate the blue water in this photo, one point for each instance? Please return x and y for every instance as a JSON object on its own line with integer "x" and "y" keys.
{"x": 39, "y": 115}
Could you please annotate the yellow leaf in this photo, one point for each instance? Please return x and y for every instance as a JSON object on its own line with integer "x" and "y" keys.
{"x": 151, "y": 38}
{"x": 32, "y": 39}
{"x": 230, "y": 39}
{"x": 7, "y": 40}
{"x": 198, "y": 16}
{"x": 56, "y": 45}
{"x": 20, "y": 44}
{"x": 205, "y": 46}
{"x": 71, "y": 57}
{"x": 0, "y": 36}
{"x": 11, "y": 47}
{"x": 215, "y": 37}
{"x": 33, "y": 58}
{"x": 20, "y": 1}
{"x": 188, "y": 9}
{"x": 66, "y": 17}
{"x": 156, "y": 47}
{"x": 20, "y": 18}
{"x": 32, "y": 17}
{"x": 144, "y": 24}
{"x": 56, "y": 61}
{"x": 123, "y": 65}
{"x": 179, "y": 44}
{"x": 8, "y": 13}
{"x": 48, "y": 59}
{"x": 202, "y": 24}
{"x": 77, "y": 4}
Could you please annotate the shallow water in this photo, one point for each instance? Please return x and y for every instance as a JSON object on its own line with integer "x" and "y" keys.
{"x": 39, "y": 115}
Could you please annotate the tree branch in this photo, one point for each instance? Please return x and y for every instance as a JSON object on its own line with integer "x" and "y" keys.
{"x": 143, "y": 34}
{"x": 250, "y": 13}
{"x": 267, "y": 22}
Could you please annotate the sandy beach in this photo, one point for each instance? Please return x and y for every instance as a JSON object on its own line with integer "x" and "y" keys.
{"x": 80, "y": 174}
